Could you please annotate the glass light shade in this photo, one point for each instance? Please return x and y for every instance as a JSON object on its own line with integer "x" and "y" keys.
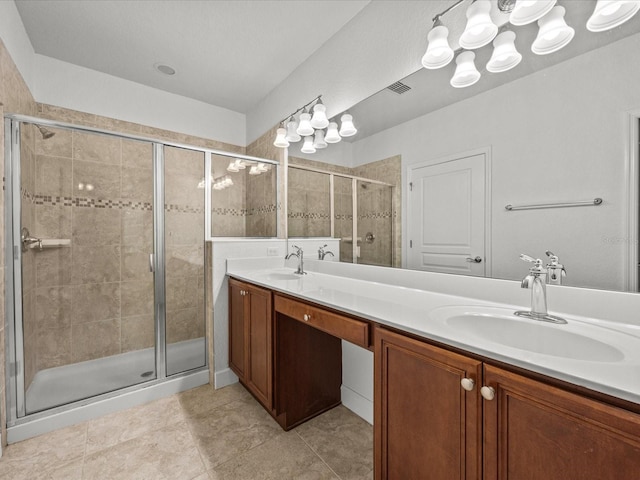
{"x": 611, "y": 13}
{"x": 504, "y": 56}
{"x": 466, "y": 72}
{"x": 308, "y": 147}
{"x": 292, "y": 136}
{"x": 318, "y": 140}
{"x": 553, "y": 34}
{"x": 240, "y": 164}
{"x": 528, "y": 11}
{"x": 480, "y": 29}
{"x": 438, "y": 53}
{"x": 332, "y": 135}
{"x": 319, "y": 119}
{"x": 254, "y": 170}
{"x": 281, "y": 141}
{"x": 347, "y": 128}
{"x": 304, "y": 127}
{"x": 233, "y": 167}
{"x": 261, "y": 167}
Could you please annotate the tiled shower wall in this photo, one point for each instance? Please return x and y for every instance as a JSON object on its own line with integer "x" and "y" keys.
{"x": 95, "y": 297}
{"x": 375, "y": 215}
{"x": 309, "y": 208}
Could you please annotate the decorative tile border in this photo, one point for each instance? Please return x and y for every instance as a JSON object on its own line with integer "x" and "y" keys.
{"x": 375, "y": 215}
{"x": 309, "y": 215}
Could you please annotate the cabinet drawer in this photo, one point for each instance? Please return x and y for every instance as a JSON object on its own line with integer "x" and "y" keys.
{"x": 354, "y": 331}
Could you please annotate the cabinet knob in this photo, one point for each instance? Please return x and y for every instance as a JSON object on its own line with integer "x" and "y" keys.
{"x": 467, "y": 384}
{"x": 488, "y": 393}
{"x": 306, "y": 317}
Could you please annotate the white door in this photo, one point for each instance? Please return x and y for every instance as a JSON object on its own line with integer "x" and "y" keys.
{"x": 447, "y": 216}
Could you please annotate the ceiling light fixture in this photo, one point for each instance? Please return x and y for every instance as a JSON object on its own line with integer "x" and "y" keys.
{"x": 528, "y": 11}
{"x": 554, "y": 33}
{"x": 610, "y": 13}
{"x": 504, "y": 56}
{"x": 480, "y": 29}
{"x": 466, "y": 73}
{"x": 439, "y": 53}
{"x": 317, "y": 130}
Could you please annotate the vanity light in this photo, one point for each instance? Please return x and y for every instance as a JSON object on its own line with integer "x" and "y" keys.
{"x": 254, "y": 170}
{"x": 319, "y": 119}
{"x": 318, "y": 140}
{"x": 319, "y": 130}
{"x": 233, "y": 168}
{"x": 261, "y": 167}
{"x": 439, "y": 53}
{"x": 554, "y": 32}
{"x": 347, "y": 128}
{"x": 611, "y": 13}
{"x": 292, "y": 136}
{"x": 332, "y": 135}
{"x": 304, "y": 128}
{"x": 281, "y": 141}
{"x": 466, "y": 72}
{"x": 308, "y": 147}
{"x": 528, "y": 11}
{"x": 480, "y": 29}
{"x": 504, "y": 56}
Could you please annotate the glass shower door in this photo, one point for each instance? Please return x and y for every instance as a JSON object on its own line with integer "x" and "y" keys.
{"x": 375, "y": 223}
{"x": 184, "y": 212}
{"x": 86, "y": 218}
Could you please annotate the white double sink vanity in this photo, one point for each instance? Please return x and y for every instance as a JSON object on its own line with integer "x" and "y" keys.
{"x": 463, "y": 388}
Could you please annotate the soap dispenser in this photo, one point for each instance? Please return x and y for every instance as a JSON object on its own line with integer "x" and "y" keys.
{"x": 555, "y": 271}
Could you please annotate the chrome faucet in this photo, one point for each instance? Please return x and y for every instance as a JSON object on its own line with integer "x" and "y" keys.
{"x": 300, "y": 254}
{"x": 536, "y": 280}
{"x": 322, "y": 253}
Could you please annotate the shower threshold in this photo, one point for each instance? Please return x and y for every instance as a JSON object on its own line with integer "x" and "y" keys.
{"x": 58, "y": 386}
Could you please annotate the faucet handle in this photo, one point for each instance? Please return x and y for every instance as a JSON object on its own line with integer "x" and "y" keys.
{"x": 527, "y": 258}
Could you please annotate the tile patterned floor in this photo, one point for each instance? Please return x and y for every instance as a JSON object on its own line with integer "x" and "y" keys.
{"x": 202, "y": 434}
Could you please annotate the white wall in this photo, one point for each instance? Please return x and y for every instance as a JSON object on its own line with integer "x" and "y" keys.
{"x": 66, "y": 85}
{"x": 384, "y": 42}
{"x": 559, "y": 134}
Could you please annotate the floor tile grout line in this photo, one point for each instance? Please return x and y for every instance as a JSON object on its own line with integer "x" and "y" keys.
{"x": 319, "y": 456}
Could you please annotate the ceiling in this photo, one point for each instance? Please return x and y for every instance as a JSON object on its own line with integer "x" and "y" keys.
{"x": 226, "y": 53}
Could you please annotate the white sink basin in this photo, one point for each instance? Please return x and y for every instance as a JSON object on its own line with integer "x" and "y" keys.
{"x": 575, "y": 340}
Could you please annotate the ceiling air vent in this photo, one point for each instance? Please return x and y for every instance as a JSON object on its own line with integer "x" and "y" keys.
{"x": 399, "y": 88}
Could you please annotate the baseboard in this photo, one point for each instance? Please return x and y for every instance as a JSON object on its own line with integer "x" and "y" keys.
{"x": 224, "y": 377}
{"x": 361, "y": 406}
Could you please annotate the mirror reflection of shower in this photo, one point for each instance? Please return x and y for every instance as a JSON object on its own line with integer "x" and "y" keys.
{"x": 46, "y": 134}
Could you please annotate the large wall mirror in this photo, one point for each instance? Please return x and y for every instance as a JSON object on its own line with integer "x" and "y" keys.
{"x": 557, "y": 129}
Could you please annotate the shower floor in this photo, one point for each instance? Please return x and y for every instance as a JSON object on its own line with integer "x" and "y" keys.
{"x": 61, "y": 385}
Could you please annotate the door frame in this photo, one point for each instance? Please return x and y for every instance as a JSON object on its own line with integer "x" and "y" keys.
{"x": 632, "y": 195}
{"x": 409, "y": 175}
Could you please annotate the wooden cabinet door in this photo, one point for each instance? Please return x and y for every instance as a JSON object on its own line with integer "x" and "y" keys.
{"x": 536, "y": 432}
{"x": 259, "y": 376}
{"x": 426, "y": 425}
{"x": 237, "y": 327}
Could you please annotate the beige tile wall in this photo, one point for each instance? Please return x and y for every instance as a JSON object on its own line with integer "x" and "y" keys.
{"x": 309, "y": 204}
{"x": 388, "y": 170}
{"x": 266, "y": 213}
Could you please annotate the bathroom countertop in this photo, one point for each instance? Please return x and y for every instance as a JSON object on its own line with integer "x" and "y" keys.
{"x": 410, "y": 310}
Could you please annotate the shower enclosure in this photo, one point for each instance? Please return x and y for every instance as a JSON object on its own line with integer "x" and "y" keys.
{"x": 107, "y": 236}
{"x": 358, "y": 211}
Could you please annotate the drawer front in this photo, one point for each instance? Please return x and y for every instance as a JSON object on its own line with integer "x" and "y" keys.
{"x": 354, "y": 331}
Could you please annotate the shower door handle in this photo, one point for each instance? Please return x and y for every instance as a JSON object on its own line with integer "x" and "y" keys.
{"x": 151, "y": 268}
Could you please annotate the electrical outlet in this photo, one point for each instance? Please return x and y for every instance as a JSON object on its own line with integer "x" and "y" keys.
{"x": 272, "y": 251}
